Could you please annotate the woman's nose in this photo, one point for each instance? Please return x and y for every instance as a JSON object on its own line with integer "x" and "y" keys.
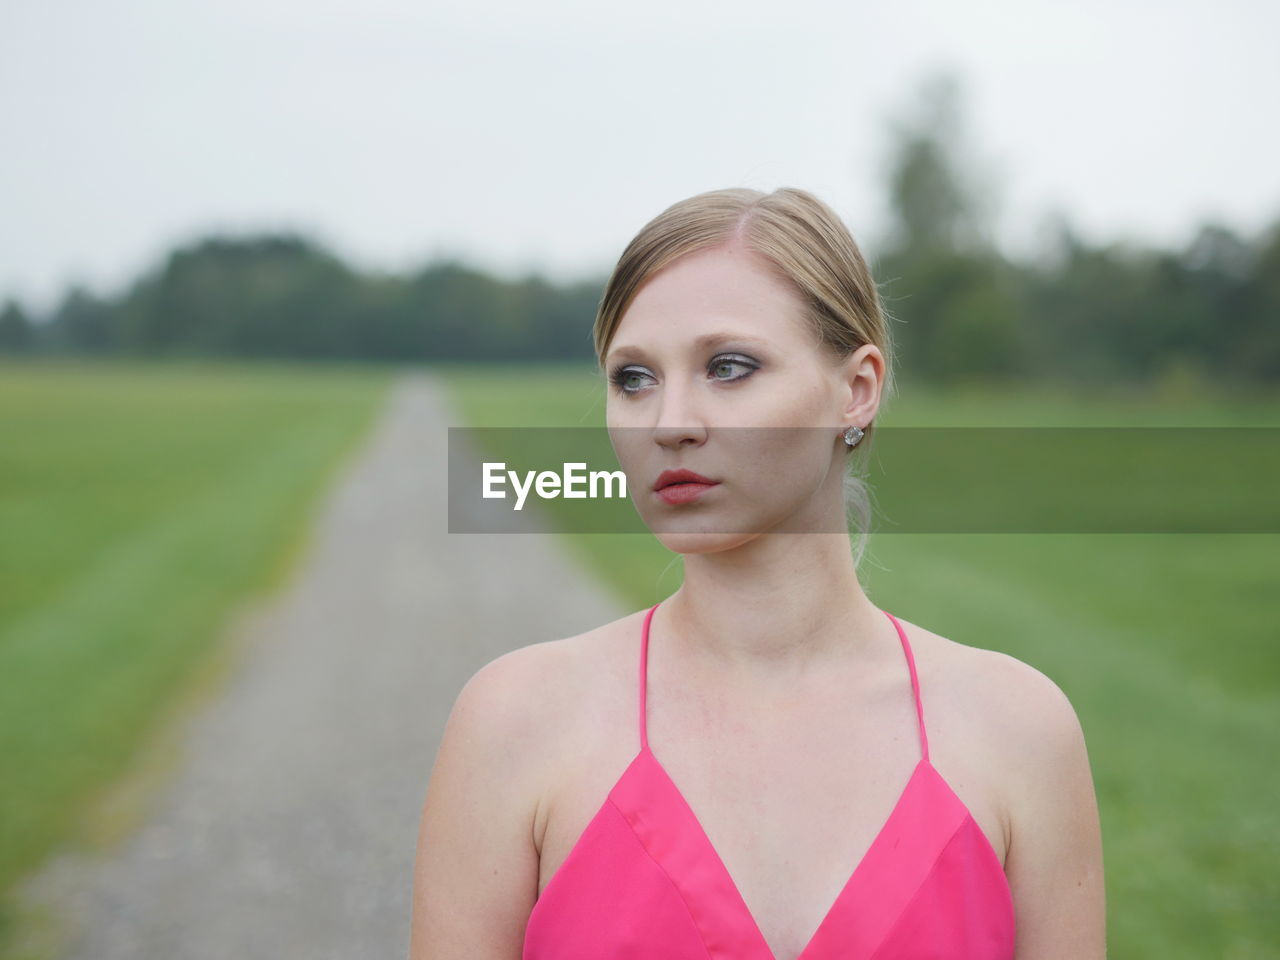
{"x": 679, "y": 415}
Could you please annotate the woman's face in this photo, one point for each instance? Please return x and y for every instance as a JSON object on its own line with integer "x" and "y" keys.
{"x": 713, "y": 369}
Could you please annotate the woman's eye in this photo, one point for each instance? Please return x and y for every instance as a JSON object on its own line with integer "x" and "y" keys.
{"x": 621, "y": 377}
{"x": 728, "y": 362}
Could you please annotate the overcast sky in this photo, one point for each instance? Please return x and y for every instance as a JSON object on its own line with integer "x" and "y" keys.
{"x": 542, "y": 134}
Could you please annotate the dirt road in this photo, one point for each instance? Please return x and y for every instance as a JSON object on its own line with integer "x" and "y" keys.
{"x": 288, "y": 829}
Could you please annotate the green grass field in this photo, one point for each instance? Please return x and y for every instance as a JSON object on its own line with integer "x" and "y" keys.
{"x": 141, "y": 505}
{"x": 1165, "y": 643}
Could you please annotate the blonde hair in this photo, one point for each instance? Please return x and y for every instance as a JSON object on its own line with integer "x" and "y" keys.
{"x": 807, "y": 246}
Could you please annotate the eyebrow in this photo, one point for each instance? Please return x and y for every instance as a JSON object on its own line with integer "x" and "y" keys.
{"x": 706, "y": 341}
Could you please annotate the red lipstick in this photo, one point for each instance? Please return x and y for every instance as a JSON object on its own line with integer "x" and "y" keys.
{"x": 682, "y": 486}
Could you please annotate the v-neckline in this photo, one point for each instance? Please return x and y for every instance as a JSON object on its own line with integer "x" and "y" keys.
{"x": 833, "y": 910}
{"x": 730, "y": 884}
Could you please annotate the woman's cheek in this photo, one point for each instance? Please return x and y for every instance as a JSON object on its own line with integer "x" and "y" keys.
{"x": 800, "y": 399}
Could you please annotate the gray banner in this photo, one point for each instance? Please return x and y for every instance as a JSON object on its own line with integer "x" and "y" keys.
{"x": 921, "y": 479}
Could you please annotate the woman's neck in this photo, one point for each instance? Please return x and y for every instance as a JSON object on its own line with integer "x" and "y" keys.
{"x": 777, "y": 607}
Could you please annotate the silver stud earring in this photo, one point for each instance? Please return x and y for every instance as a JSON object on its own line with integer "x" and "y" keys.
{"x": 853, "y": 435}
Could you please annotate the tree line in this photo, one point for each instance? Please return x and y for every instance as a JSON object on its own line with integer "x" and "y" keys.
{"x": 959, "y": 307}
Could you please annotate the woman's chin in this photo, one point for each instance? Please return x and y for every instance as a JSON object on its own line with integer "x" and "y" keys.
{"x": 692, "y": 542}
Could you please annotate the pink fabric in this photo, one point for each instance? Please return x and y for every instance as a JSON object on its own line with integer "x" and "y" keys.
{"x": 643, "y": 882}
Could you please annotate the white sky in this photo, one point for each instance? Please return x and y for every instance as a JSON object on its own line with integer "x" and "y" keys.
{"x": 543, "y": 134}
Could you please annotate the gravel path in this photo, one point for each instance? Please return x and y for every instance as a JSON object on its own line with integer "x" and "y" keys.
{"x": 289, "y": 828}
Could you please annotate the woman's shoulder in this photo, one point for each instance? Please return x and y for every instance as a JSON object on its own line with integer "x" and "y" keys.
{"x": 1018, "y": 718}
{"x": 1029, "y": 735}
{"x": 570, "y": 656}
{"x": 1004, "y": 692}
{"x": 529, "y": 688}
{"x": 1001, "y": 731}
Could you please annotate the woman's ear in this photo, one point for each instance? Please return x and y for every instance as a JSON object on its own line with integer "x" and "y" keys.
{"x": 863, "y": 377}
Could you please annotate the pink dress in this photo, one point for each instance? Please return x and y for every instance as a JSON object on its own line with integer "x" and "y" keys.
{"x": 643, "y": 882}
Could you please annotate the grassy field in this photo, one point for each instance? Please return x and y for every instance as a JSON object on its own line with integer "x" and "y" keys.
{"x": 1165, "y": 643}
{"x": 141, "y": 506}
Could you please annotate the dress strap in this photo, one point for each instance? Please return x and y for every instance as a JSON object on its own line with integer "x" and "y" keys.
{"x": 915, "y": 682}
{"x": 644, "y": 672}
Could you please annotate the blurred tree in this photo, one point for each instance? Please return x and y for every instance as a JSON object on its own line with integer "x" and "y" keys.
{"x": 83, "y": 323}
{"x": 465, "y": 314}
{"x": 16, "y": 333}
{"x": 960, "y": 308}
{"x": 274, "y": 295}
{"x": 1255, "y": 351}
{"x": 940, "y": 201}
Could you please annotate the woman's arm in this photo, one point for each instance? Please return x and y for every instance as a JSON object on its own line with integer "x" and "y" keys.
{"x": 1054, "y": 862}
{"x": 476, "y": 872}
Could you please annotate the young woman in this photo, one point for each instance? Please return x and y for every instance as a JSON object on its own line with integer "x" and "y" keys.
{"x": 764, "y": 765}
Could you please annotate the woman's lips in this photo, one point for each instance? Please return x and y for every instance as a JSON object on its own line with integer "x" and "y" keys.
{"x": 684, "y": 492}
